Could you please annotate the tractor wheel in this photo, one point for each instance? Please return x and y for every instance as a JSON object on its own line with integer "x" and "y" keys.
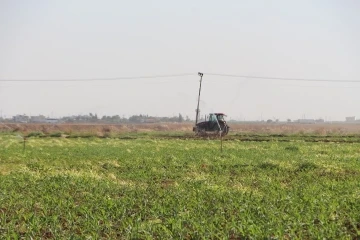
{"x": 226, "y": 129}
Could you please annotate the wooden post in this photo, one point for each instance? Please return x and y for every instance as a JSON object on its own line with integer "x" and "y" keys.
{"x": 221, "y": 142}
{"x": 24, "y": 145}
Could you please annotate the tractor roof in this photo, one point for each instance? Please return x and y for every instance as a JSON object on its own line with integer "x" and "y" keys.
{"x": 220, "y": 114}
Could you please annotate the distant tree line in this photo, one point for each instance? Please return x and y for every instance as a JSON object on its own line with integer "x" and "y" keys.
{"x": 142, "y": 118}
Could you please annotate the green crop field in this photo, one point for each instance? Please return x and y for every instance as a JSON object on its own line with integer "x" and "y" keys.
{"x": 157, "y": 188}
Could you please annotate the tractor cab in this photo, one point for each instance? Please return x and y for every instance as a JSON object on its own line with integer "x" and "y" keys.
{"x": 214, "y": 123}
{"x": 214, "y": 117}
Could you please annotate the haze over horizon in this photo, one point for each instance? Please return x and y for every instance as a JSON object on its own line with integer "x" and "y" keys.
{"x": 47, "y": 40}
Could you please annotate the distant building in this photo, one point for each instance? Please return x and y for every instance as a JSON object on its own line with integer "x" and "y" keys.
{"x": 38, "y": 119}
{"x": 350, "y": 119}
{"x": 21, "y": 119}
{"x": 309, "y": 121}
{"x": 52, "y": 120}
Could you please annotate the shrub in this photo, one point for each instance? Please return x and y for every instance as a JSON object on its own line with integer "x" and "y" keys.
{"x": 56, "y": 134}
{"x": 36, "y": 134}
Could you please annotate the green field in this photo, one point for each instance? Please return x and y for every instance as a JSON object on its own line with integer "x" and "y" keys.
{"x": 157, "y": 188}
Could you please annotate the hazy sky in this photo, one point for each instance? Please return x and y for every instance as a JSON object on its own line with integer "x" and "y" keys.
{"x": 44, "y": 39}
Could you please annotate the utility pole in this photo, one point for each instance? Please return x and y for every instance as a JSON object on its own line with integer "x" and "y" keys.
{"x": 197, "y": 109}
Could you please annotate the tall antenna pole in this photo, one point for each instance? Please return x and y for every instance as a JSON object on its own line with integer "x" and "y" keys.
{"x": 197, "y": 109}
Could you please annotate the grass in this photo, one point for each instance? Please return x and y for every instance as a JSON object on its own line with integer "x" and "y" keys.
{"x": 146, "y": 188}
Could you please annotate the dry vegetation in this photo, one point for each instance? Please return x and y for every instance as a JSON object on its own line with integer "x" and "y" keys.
{"x": 95, "y": 129}
{"x": 239, "y": 128}
{"x": 293, "y": 128}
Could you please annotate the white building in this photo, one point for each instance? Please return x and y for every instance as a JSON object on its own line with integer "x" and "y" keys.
{"x": 38, "y": 119}
{"x": 350, "y": 119}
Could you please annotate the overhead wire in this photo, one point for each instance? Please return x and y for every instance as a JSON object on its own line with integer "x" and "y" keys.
{"x": 97, "y": 79}
{"x": 282, "y": 78}
{"x": 180, "y": 75}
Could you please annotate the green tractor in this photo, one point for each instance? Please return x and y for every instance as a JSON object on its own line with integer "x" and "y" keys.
{"x": 214, "y": 125}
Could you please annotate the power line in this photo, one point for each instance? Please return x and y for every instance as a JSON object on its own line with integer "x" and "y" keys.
{"x": 96, "y": 79}
{"x": 178, "y": 75}
{"x": 282, "y": 79}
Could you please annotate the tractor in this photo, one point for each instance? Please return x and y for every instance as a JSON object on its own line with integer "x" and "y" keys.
{"x": 214, "y": 125}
